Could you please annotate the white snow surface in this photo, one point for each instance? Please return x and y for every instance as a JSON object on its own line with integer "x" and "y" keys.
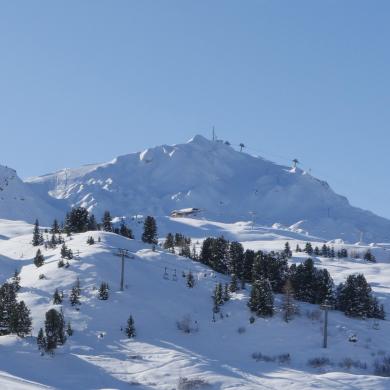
{"x": 99, "y": 356}
{"x": 225, "y": 184}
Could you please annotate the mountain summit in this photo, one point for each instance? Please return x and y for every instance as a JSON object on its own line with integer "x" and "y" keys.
{"x": 227, "y": 185}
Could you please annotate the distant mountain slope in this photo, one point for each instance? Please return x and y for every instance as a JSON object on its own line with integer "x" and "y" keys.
{"x": 226, "y": 184}
{"x": 19, "y": 202}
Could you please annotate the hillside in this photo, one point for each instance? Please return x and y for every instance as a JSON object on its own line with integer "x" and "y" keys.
{"x": 19, "y": 202}
{"x": 227, "y": 185}
{"x": 99, "y": 356}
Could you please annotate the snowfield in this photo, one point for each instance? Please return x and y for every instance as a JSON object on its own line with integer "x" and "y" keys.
{"x": 220, "y": 353}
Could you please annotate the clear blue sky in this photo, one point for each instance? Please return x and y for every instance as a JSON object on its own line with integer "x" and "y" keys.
{"x": 85, "y": 81}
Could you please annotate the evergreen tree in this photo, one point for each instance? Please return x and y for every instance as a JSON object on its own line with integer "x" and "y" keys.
{"x": 39, "y": 259}
{"x": 226, "y": 293}
{"x": 324, "y": 287}
{"x": 130, "y": 328}
{"x": 289, "y": 307}
{"x": 190, "y": 280}
{"x": 249, "y": 257}
{"x": 107, "y": 222}
{"x": 37, "y": 235}
{"x": 60, "y": 263}
{"x": 69, "y": 330}
{"x": 309, "y": 248}
{"x": 55, "y": 228}
{"x": 316, "y": 251}
{"x": 92, "y": 224}
{"x": 261, "y": 299}
{"x": 150, "y": 231}
{"x": 304, "y": 281}
{"x": 355, "y": 299}
{"x": 90, "y": 240}
{"x": 8, "y": 304}
{"x": 57, "y": 299}
{"x": 16, "y": 281}
{"x": 54, "y": 329}
{"x": 169, "y": 243}
{"x": 235, "y": 258}
{"x": 20, "y": 320}
{"x": 77, "y": 220}
{"x": 368, "y": 256}
{"x": 233, "y": 287}
{"x": 74, "y": 297}
{"x": 41, "y": 340}
{"x": 124, "y": 230}
{"x": 287, "y": 250}
{"x": 103, "y": 291}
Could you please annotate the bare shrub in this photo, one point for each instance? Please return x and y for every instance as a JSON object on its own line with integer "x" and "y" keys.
{"x": 382, "y": 366}
{"x": 319, "y": 362}
{"x": 283, "y": 358}
{"x": 349, "y": 363}
{"x": 186, "y": 325}
{"x": 192, "y": 384}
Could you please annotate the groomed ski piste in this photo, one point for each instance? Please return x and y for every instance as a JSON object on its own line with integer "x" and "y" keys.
{"x": 214, "y": 355}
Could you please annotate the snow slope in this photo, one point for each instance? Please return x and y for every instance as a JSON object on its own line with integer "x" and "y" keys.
{"x": 161, "y": 354}
{"x": 19, "y": 202}
{"x": 227, "y": 185}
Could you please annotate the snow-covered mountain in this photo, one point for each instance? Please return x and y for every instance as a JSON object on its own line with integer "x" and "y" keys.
{"x": 225, "y": 184}
{"x": 19, "y": 202}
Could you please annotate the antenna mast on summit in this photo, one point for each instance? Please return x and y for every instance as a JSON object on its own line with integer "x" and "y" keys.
{"x": 213, "y": 133}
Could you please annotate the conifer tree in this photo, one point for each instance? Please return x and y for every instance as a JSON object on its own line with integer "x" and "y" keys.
{"x": 233, "y": 287}
{"x": 92, "y": 224}
{"x": 124, "y": 230}
{"x": 39, "y": 259}
{"x": 74, "y": 297}
{"x": 20, "y": 320}
{"x": 57, "y": 299}
{"x": 55, "y": 228}
{"x": 226, "y": 293}
{"x": 54, "y": 329}
{"x": 149, "y": 234}
{"x": 261, "y": 299}
{"x": 287, "y": 250}
{"x": 190, "y": 280}
{"x": 69, "y": 330}
{"x": 16, "y": 280}
{"x": 37, "y": 235}
{"x": 309, "y": 248}
{"x": 130, "y": 328}
{"x": 41, "y": 340}
{"x": 107, "y": 221}
{"x": 103, "y": 291}
{"x": 289, "y": 308}
{"x": 90, "y": 240}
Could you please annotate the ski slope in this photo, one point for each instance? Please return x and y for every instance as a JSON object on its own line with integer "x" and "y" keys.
{"x": 99, "y": 356}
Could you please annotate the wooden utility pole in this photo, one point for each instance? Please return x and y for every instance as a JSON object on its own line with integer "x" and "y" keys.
{"x": 326, "y": 307}
{"x": 123, "y": 253}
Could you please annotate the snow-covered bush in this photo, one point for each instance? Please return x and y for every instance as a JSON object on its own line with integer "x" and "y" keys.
{"x": 283, "y": 358}
{"x": 192, "y": 384}
{"x": 241, "y": 330}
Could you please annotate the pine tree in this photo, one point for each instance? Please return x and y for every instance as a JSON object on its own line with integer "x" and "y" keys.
{"x": 233, "y": 287}
{"x": 90, "y": 240}
{"x": 107, "y": 222}
{"x": 130, "y": 328}
{"x": 69, "y": 330}
{"x": 124, "y": 230}
{"x": 289, "y": 308}
{"x": 92, "y": 224}
{"x": 41, "y": 340}
{"x": 287, "y": 250}
{"x": 55, "y": 228}
{"x": 57, "y": 299}
{"x": 249, "y": 257}
{"x": 54, "y": 329}
{"x": 235, "y": 259}
{"x": 261, "y": 299}
{"x": 16, "y": 280}
{"x": 74, "y": 297}
{"x": 226, "y": 293}
{"x": 37, "y": 235}
{"x": 190, "y": 280}
{"x": 368, "y": 256}
{"x": 20, "y": 320}
{"x": 309, "y": 248}
{"x": 39, "y": 259}
{"x": 150, "y": 231}
{"x": 103, "y": 291}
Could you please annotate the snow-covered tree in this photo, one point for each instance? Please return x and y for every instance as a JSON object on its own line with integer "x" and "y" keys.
{"x": 149, "y": 234}
{"x": 39, "y": 259}
{"x": 130, "y": 328}
{"x": 261, "y": 299}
